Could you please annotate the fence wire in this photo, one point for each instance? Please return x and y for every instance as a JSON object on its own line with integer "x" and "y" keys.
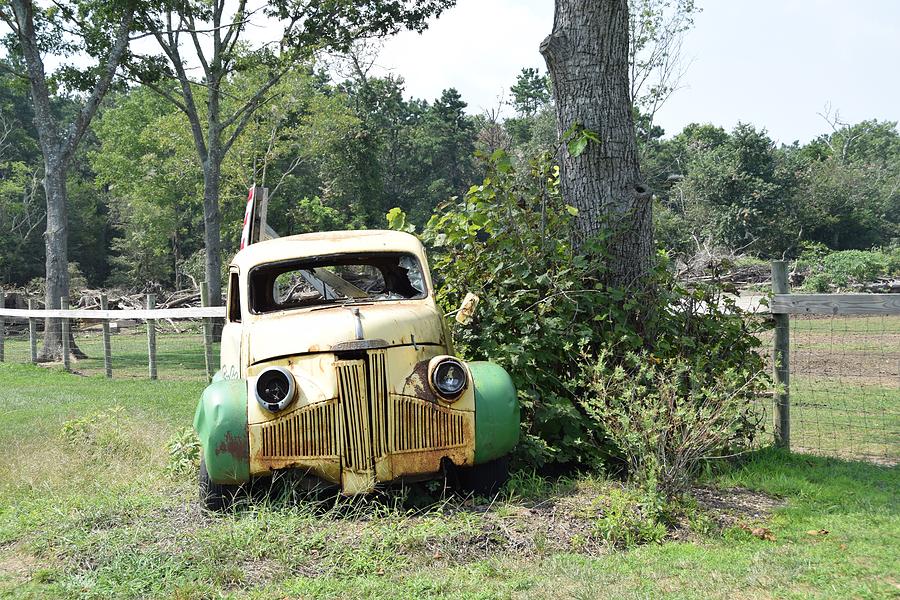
{"x": 845, "y": 386}
{"x": 179, "y": 348}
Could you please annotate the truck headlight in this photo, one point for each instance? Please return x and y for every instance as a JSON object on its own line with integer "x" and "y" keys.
{"x": 448, "y": 377}
{"x": 274, "y": 388}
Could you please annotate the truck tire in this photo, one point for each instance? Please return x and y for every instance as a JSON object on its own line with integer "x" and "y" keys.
{"x": 484, "y": 479}
{"x": 216, "y": 497}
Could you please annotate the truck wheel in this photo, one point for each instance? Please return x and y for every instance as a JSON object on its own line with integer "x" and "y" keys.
{"x": 216, "y": 497}
{"x": 484, "y": 479}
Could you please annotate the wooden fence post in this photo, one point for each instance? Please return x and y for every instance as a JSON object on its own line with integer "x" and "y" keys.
{"x": 107, "y": 349}
{"x": 151, "y": 336}
{"x": 207, "y": 331}
{"x": 32, "y": 333}
{"x": 65, "y": 326}
{"x": 782, "y": 359}
{"x": 2, "y": 325}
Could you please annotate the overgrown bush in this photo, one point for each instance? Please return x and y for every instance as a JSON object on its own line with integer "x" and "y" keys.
{"x": 666, "y": 415}
{"x": 546, "y": 314}
{"x": 825, "y": 271}
{"x": 508, "y": 240}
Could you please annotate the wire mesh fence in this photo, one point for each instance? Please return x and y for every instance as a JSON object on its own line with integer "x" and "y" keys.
{"x": 845, "y": 386}
{"x": 179, "y": 347}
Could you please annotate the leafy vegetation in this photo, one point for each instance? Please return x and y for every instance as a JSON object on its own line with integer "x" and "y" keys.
{"x": 668, "y": 416}
{"x": 339, "y": 154}
{"x": 826, "y": 271}
{"x": 548, "y": 317}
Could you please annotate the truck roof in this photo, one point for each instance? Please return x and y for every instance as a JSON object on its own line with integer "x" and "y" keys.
{"x": 326, "y": 243}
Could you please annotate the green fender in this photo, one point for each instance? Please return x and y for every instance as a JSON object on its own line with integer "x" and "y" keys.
{"x": 496, "y": 411}
{"x": 221, "y": 425}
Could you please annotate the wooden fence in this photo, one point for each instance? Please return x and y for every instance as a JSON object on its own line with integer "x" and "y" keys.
{"x": 846, "y": 397}
{"x": 150, "y": 316}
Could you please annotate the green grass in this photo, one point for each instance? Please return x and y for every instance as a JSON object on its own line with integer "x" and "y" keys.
{"x": 179, "y": 355}
{"x": 99, "y": 516}
{"x": 845, "y": 418}
{"x": 874, "y": 325}
{"x": 845, "y": 385}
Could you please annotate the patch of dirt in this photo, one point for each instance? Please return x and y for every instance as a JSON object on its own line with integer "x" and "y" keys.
{"x": 733, "y": 506}
{"x": 861, "y": 367}
{"x": 562, "y": 524}
{"x": 863, "y": 357}
{"x": 16, "y": 564}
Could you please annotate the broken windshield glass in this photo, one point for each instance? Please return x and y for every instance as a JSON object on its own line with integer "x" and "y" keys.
{"x": 370, "y": 277}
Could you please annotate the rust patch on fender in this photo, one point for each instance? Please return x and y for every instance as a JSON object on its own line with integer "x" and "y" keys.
{"x": 417, "y": 383}
{"x": 237, "y": 447}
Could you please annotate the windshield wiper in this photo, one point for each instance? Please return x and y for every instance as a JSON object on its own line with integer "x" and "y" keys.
{"x": 340, "y": 303}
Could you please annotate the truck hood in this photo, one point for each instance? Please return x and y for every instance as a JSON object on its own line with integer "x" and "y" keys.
{"x": 303, "y": 331}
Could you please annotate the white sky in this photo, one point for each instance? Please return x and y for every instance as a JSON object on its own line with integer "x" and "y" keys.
{"x": 772, "y": 63}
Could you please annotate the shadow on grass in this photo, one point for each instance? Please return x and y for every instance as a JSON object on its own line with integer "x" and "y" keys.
{"x": 816, "y": 480}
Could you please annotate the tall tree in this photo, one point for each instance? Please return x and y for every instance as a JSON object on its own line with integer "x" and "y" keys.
{"x": 656, "y": 33}
{"x": 587, "y": 57}
{"x": 211, "y": 34}
{"x": 530, "y": 92}
{"x": 100, "y": 30}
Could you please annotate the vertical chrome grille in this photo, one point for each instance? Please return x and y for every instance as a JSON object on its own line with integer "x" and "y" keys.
{"x": 365, "y": 425}
{"x": 353, "y": 396}
{"x": 378, "y": 397}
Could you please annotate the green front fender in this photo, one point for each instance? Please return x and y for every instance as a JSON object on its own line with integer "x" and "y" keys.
{"x": 496, "y": 411}
{"x": 221, "y": 425}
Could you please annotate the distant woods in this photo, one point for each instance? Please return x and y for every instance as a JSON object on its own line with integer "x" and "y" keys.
{"x": 341, "y": 154}
{"x": 340, "y": 147}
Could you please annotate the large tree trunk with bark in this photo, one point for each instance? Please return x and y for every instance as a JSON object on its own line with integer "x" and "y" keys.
{"x": 587, "y": 58}
{"x": 57, "y": 260}
{"x": 58, "y": 145}
{"x": 212, "y": 221}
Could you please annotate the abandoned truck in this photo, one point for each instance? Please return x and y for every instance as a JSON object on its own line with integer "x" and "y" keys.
{"x": 337, "y": 363}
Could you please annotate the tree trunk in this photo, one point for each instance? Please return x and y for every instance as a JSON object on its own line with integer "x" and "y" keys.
{"x": 58, "y": 146}
{"x": 212, "y": 221}
{"x": 57, "y": 263}
{"x": 587, "y": 58}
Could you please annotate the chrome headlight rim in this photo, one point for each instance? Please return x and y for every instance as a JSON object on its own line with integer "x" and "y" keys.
{"x": 438, "y": 366}
{"x": 287, "y": 395}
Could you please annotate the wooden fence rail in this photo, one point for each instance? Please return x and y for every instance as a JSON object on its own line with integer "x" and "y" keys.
{"x": 784, "y": 303}
{"x": 150, "y": 316}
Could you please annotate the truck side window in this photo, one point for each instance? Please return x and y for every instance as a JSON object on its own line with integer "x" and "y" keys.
{"x": 234, "y": 299}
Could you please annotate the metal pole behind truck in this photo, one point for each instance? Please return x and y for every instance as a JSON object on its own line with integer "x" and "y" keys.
{"x": 2, "y": 325}
{"x": 151, "y": 337}
{"x": 107, "y": 349}
{"x": 32, "y": 332}
{"x": 207, "y": 333}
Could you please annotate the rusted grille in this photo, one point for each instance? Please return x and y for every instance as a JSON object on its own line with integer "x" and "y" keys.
{"x": 419, "y": 425}
{"x": 351, "y": 376}
{"x": 311, "y": 432}
{"x": 366, "y": 422}
{"x": 378, "y": 395}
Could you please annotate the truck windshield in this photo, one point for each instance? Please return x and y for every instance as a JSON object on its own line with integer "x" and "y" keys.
{"x": 336, "y": 279}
